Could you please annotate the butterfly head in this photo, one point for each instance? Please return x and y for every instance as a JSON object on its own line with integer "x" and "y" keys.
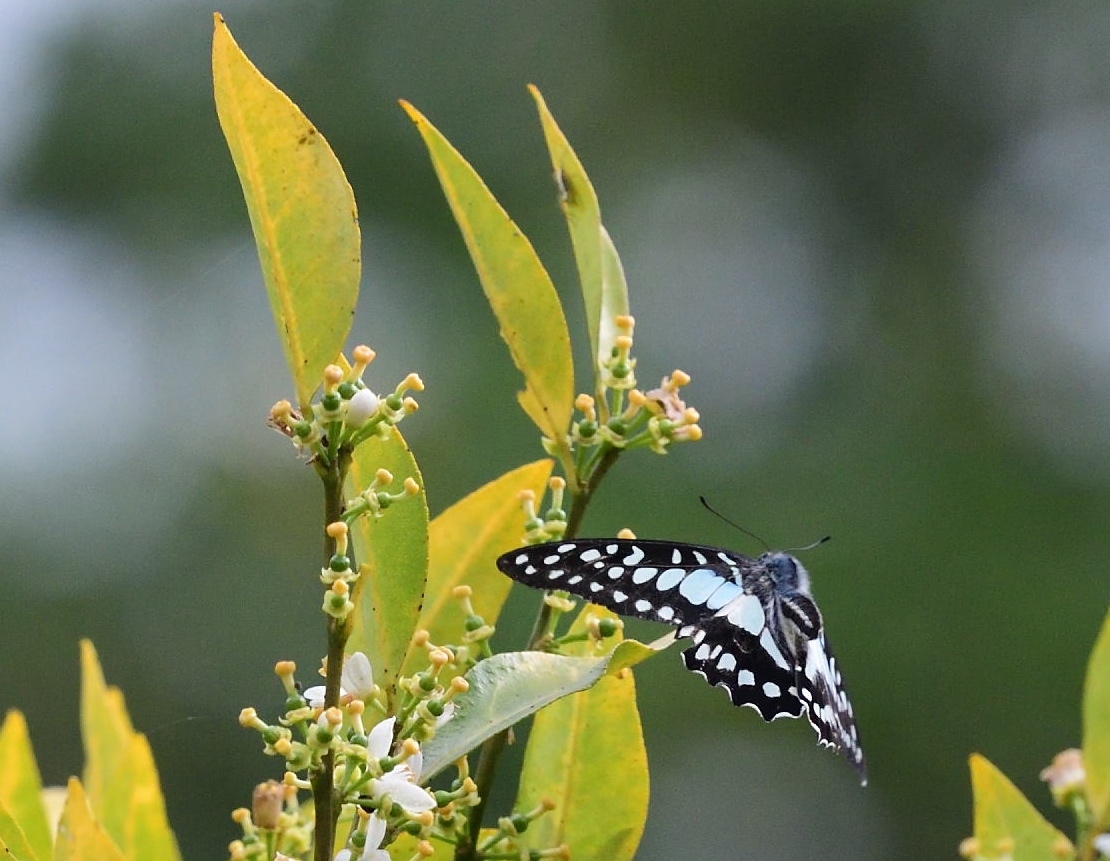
{"x": 788, "y": 574}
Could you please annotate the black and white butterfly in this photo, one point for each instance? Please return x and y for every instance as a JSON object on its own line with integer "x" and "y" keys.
{"x": 756, "y": 631}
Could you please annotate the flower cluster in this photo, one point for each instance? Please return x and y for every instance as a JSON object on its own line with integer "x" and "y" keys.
{"x": 377, "y": 769}
{"x": 347, "y": 412}
{"x": 624, "y": 417}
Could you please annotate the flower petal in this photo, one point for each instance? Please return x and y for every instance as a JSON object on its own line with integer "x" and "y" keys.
{"x": 380, "y": 739}
{"x": 410, "y": 796}
{"x": 314, "y": 696}
{"x": 375, "y": 831}
{"x": 358, "y": 675}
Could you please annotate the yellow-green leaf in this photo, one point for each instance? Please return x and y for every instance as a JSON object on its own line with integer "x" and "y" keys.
{"x": 1006, "y": 824}
{"x": 21, "y": 787}
{"x": 124, "y": 791}
{"x": 302, "y": 211}
{"x": 148, "y": 833}
{"x": 14, "y": 845}
{"x": 463, "y": 543}
{"x": 600, "y": 273}
{"x": 106, "y": 731}
{"x": 515, "y": 282}
{"x": 1096, "y": 726}
{"x": 393, "y": 556}
{"x": 80, "y": 836}
{"x": 586, "y": 753}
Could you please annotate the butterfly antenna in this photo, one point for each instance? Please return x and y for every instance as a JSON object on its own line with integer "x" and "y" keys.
{"x": 816, "y": 543}
{"x": 737, "y": 526}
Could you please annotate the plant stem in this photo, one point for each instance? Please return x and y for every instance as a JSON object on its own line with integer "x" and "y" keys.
{"x": 323, "y": 789}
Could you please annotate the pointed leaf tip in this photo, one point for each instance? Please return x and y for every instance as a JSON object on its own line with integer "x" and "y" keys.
{"x": 301, "y": 208}
{"x": 515, "y": 282}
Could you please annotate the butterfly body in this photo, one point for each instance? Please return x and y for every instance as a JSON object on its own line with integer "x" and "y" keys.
{"x": 754, "y": 627}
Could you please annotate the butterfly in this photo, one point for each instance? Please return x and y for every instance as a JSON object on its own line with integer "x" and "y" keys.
{"x": 754, "y": 627}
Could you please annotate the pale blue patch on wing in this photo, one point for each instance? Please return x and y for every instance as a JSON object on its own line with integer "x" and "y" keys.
{"x": 642, "y": 575}
{"x": 699, "y": 585}
{"x": 747, "y": 613}
{"x": 725, "y": 593}
{"x": 669, "y": 579}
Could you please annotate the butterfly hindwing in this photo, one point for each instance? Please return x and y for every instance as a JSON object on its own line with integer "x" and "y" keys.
{"x": 734, "y": 660}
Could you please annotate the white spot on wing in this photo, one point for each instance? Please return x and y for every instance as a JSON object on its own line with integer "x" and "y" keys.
{"x": 772, "y": 649}
{"x": 635, "y": 557}
{"x": 590, "y": 555}
{"x": 642, "y": 575}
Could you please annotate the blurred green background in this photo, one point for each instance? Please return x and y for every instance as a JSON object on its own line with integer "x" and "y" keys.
{"x": 876, "y": 235}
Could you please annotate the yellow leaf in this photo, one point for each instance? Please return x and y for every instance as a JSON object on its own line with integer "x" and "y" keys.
{"x": 1096, "y": 728}
{"x": 600, "y": 273}
{"x": 80, "y": 836}
{"x": 516, "y": 284}
{"x": 124, "y": 791}
{"x": 463, "y": 542}
{"x": 302, "y": 211}
{"x": 21, "y": 785}
{"x": 106, "y": 731}
{"x": 1006, "y": 824}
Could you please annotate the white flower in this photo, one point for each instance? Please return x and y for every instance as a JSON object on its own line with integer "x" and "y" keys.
{"x": 357, "y": 679}
{"x": 362, "y": 405}
{"x": 400, "y": 783}
{"x": 375, "y": 831}
{"x": 1102, "y": 844}
{"x": 358, "y": 675}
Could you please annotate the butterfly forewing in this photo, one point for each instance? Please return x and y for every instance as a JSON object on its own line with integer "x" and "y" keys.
{"x": 658, "y": 580}
{"x": 755, "y": 629}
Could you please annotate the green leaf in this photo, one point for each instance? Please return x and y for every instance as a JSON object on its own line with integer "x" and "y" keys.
{"x": 124, "y": 790}
{"x": 80, "y": 836}
{"x": 463, "y": 542}
{"x": 302, "y": 211}
{"x": 393, "y": 556}
{"x": 1096, "y": 727}
{"x": 1006, "y": 824}
{"x": 586, "y": 753}
{"x": 509, "y": 687}
{"x": 600, "y": 273}
{"x": 517, "y": 286}
{"x": 21, "y": 789}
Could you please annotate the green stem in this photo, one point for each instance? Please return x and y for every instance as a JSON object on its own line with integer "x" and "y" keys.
{"x": 467, "y": 849}
{"x": 324, "y": 797}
